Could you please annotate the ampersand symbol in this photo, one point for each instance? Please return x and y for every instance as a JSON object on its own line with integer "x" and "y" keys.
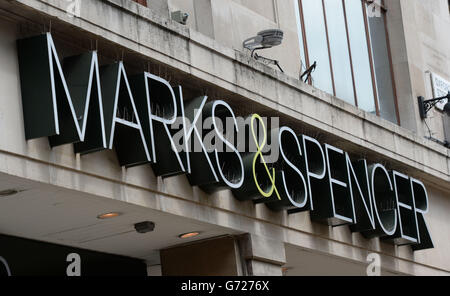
{"x": 259, "y": 154}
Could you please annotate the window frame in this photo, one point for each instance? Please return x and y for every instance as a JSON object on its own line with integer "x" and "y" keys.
{"x": 383, "y": 10}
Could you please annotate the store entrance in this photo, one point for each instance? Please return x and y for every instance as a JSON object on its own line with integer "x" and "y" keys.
{"x": 23, "y": 257}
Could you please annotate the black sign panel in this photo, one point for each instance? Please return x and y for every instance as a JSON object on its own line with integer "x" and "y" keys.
{"x": 22, "y": 257}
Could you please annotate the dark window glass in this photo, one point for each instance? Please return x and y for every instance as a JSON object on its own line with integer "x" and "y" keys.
{"x": 382, "y": 65}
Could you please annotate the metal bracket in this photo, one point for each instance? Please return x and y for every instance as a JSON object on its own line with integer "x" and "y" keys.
{"x": 426, "y": 105}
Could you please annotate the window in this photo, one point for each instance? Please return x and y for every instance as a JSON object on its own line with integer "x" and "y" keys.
{"x": 348, "y": 41}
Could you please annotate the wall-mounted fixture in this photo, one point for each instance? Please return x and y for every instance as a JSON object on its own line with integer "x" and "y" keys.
{"x": 263, "y": 40}
{"x": 427, "y": 105}
{"x": 180, "y": 17}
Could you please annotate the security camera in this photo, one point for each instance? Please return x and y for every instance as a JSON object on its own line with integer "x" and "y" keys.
{"x": 264, "y": 39}
{"x": 144, "y": 227}
{"x": 180, "y": 17}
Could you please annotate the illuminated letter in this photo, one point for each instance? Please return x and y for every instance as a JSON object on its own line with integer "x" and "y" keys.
{"x": 420, "y": 197}
{"x": 315, "y": 165}
{"x": 55, "y": 105}
{"x": 123, "y": 126}
{"x": 158, "y": 108}
{"x": 227, "y": 172}
{"x": 406, "y": 232}
{"x": 294, "y": 196}
{"x": 384, "y": 203}
{"x": 200, "y": 168}
{"x": 358, "y": 175}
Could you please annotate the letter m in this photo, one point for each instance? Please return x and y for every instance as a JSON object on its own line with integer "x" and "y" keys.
{"x": 57, "y": 99}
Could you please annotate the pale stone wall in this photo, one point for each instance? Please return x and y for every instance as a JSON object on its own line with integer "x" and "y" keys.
{"x": 417, "y": 31}
{"x": 233, "y": 21}
{"x": 426, "y": 25}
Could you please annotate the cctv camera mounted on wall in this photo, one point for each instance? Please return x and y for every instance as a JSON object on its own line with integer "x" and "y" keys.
{"x": 264, "y": 39}
{"x": 180, "y": 17}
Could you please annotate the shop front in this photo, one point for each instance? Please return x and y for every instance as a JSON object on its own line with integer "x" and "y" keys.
{"x": 135, "y": 153}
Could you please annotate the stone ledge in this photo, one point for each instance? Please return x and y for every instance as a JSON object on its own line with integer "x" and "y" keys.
{"x": 258, "y": 248}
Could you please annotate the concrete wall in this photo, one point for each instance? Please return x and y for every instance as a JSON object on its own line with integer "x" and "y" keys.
{"x": 245, "y": 84}
{"x": 160, "y": 6}
{"x": 230, "y": 22}
{"x": 217, "y": 257}
{"x": 416, "y": 30}
{"x": 426, "y": 27}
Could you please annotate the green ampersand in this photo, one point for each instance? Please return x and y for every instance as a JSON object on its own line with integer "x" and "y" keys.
{"x": 259, "y": 153}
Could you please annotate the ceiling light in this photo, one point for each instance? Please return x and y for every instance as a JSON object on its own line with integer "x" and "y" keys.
{"x": 108, "y": 215}
{"x": 189, "y": 234}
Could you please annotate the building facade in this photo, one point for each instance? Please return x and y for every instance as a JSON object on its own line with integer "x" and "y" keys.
{"x": 91, "y": 92}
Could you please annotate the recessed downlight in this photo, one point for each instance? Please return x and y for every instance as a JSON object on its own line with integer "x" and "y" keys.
{"x": 189, "y": 234}
{"x": 109, "y": 215}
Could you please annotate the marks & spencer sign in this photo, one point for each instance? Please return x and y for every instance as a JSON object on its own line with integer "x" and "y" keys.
{"x": 77, "y": 101}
